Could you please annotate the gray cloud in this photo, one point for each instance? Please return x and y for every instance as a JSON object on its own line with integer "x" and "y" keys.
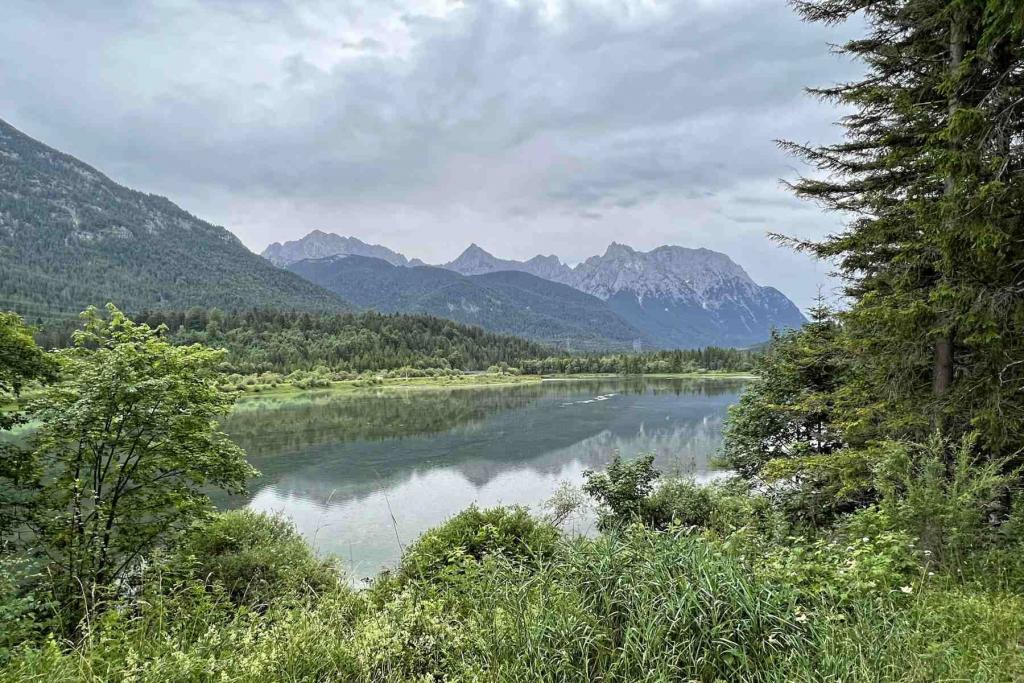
{"x": 527, "y": 126}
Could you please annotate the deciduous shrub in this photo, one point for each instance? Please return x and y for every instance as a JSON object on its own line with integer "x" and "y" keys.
{"x": 508, "y": 532}
{"x": 255, "y": 558}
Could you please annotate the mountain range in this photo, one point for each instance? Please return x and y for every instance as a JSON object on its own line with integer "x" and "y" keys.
{"x": 668, "y": 297}
{"x": 72, "y": 237}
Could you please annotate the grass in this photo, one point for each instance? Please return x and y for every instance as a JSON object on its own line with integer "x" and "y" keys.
{"x": 468, "y": 381}
{"x": 362, "y": 385}
{"x": 635, "y": 605}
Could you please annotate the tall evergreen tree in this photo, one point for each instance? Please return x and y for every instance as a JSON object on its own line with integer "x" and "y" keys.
{"x": 932, "y": 172}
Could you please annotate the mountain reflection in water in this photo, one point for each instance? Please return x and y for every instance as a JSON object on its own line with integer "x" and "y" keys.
{"x": 341, "y": 465}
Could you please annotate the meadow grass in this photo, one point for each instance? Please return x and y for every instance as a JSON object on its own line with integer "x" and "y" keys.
{"x": 632, "y": 605}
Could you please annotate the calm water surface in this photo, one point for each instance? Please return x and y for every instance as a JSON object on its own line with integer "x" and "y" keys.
{"x": 351, "y": 471}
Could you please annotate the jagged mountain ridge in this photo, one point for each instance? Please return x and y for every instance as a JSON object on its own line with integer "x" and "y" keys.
{"x": 686, "y": 297}
{"x": 319, "y": 244}
{"x": 503, "y": 301}
{"x": 476, "y": 261}
{"x": 71, "y": 237}
{"x": 676, "y": 296}
{"x": 672, "y": 296}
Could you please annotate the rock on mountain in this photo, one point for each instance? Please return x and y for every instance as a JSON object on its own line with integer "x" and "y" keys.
{"x": 677, "y": 297}
{"x": 504, "y": 301}
{"x": 319, "y": 244}
{"x": 71, "y": 237}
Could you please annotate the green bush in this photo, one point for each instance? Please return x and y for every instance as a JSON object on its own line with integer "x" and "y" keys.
{"x": 24, "y": 616}
{"x": 473, "y": 534}
{"x": 720, "y": 507}
{"x": 629, "y": 491}
{"x": 622, "y": 490}
{"x": 255, "y": 558}
{"x": 864, "y": 558}
{"x": 953, "y": 500}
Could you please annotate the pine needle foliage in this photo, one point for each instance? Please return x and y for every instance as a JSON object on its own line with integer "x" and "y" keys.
{"x": 931, "y": 176}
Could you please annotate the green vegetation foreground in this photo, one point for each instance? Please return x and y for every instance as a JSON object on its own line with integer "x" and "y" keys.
{"x": 126, "y": 574}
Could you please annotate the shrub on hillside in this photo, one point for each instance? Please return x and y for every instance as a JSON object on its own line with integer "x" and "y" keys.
{"x": 255, "y": 558}
{"x": 629, "y": 491}
{"x": 473, "y": 534}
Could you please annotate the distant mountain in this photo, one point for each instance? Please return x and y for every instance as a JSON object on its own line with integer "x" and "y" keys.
{"x": 319, "y": 244}
{"x": 476, "y": 261}
{"x": 507, "y": 302}
{"x": 677, "y": 297}
{"x": 686, "y": 297}
{"x": 70, "y": 237}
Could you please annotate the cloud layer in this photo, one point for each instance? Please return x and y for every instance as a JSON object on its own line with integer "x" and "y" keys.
{"x": 549, "y": 126}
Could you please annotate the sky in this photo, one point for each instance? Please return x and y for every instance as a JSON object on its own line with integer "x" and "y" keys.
{"x": 529, "y": 127}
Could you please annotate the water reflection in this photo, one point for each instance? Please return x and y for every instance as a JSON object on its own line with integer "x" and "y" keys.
{"x": 342, "y": 466}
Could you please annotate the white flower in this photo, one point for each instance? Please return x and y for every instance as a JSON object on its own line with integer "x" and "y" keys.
{"x": 907, "y": 589}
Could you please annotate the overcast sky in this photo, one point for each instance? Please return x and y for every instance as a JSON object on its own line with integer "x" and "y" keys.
{"x": 527, "y": 127}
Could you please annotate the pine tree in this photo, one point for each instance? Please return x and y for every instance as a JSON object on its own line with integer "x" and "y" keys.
{"x": 932, "y": 173}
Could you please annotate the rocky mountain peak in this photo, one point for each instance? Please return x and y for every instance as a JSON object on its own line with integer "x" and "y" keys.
{"x": 320, "y": 244}
{"x": 476, "y": 260}
{"x": 616, "y": 250}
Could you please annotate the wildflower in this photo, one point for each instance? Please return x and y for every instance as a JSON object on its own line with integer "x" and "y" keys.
{"x": 907, "y": 589}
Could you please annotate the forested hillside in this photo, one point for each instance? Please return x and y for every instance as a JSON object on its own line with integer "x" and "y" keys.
{"x": 259, "y": 341}
{"x": 71, "y": 237}
{"x": 504, "y": 302}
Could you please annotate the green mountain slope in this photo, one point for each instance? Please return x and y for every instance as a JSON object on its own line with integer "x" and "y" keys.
{"x": 506, "y": 302}
{"x": 70, "y": 237}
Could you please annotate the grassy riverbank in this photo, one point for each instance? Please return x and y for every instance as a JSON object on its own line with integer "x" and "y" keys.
{"x": 378, "y": 383}
{"x": 467, "y": 381}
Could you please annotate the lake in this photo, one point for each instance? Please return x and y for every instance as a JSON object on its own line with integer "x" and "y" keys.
{"x": 363, "y": 475}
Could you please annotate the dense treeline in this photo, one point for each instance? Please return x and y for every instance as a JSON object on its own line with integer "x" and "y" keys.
{"x": 262, "y": 341}
{"x": 284, "y": 341}
{"x": 711, "y": 358}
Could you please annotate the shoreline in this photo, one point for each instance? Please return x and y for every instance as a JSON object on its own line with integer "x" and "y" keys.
{"x": 470, "y": 381}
